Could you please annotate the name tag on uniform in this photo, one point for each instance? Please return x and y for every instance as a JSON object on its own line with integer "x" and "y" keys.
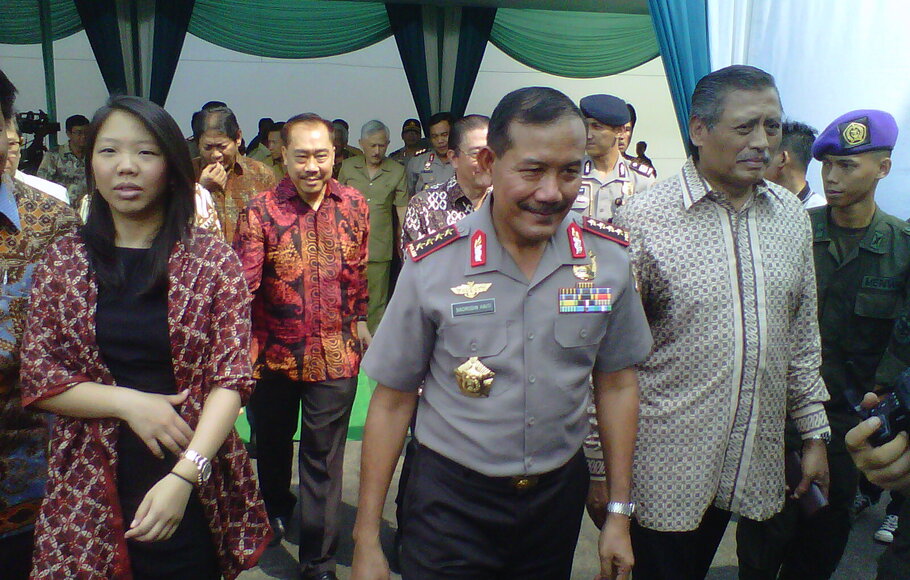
{"x": 585, "y": 298}
{"x": 487, "y": 306}
{"x": 880, "y": 283}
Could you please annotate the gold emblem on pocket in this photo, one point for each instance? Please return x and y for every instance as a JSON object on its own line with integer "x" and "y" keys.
{"x": 474, "y": 378}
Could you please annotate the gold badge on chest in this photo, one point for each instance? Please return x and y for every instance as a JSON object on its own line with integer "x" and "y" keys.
{"x": 471, "y": 289}
{"x": 474, "y": 378}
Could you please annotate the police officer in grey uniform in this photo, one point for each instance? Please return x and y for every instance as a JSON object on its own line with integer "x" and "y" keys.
{"x": 432, "y": 166}
{"x": 504, "y": 316}
{"x": 608, "y": 177}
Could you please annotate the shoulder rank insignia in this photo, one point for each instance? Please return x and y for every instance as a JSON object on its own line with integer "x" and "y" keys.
{"x": 576, "y": 243}
{"x": 420, "y": 249}
{"x": 430, "y": 160}
{"x": 639, "y": 167}
{"x": 605, "y": 230}
{"x": 478, "y": 249}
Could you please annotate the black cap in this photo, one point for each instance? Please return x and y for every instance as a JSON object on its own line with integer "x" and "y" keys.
{"x": 607, "y": 109}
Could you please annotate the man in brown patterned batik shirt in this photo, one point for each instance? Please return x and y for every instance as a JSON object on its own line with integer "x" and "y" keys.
{"x": 29, "y": 222}
{"x": 724, "y": 264}
{"x": 231, "y": 178}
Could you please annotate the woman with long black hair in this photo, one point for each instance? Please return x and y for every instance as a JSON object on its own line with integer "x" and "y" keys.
{"x": 138, "y": 340}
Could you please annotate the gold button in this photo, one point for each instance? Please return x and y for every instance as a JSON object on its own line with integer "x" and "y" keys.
{"x": 522, "y": 484}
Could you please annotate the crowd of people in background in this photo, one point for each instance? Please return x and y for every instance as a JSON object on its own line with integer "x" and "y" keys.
{"x": 557, "y": 329}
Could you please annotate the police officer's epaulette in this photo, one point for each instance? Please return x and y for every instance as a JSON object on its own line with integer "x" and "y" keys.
{"x": 421, "y": 151}
{"x": 642, "y": 168}
{"x": 605, "y": 230}
{"x": 420, "y": 249}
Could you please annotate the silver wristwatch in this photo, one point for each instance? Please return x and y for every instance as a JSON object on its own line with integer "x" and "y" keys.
{"x": 621, "y": 508}
{"x": 203, "y": 465}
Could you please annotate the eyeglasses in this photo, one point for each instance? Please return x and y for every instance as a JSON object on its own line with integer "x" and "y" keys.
{"x": 473, "y": 153}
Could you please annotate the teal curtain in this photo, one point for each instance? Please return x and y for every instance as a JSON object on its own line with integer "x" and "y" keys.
{"x": 682, "y": 29}
{"x": 20, "y": 24}
{"x": 290, "y": 28}
{"x": 575, "y": 44}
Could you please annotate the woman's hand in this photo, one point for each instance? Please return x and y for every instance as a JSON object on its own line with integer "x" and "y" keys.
{"x": 161, "y": 510}
{"x": 155, "y": 420}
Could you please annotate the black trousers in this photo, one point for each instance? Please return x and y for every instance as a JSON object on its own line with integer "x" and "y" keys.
{"x": 457, "y": 523}
{"x": 678, "y": 555}
{"x": 16, "y": 555}
{"x": 894, "y": 564}
{"x": 325, "y": 409}
{"x": 793, "y": 547}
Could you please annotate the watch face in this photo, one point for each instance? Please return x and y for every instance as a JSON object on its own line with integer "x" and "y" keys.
{"x": 206, "y": 472}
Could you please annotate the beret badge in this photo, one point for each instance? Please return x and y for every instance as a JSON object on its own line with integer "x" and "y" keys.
{"x": 854, "y": 133}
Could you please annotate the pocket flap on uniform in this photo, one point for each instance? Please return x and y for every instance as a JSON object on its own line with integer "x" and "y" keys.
{"x": 877, "y": 305}
{"x": 480, "y": 339}
{"x": 579, "y": 329}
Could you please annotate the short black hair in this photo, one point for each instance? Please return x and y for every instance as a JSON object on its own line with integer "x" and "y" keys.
{"x": 343, "y": 123}
{"x": 464, "y": 126}
{"x": 213, "y": 105}
{"x": 218, "y": 119}
{"x": 439, "y": 118}
{"x": 633, "y": 118}
{"x": 7, "y": 96}
{"x": 529, "y": 106}
{"x": 797, "y": 139}
{"x": 304, "y": 118}
{"x": 76, "y": 121}
{"x": 276, "y": 126}
{"x": 712, "y": 89}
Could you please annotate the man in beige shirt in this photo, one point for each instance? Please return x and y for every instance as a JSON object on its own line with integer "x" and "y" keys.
{"x": 382, "y": 183}
{"x": 724, "y": 263}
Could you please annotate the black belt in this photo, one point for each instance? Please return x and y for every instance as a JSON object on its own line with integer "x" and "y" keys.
{"x": 514, "y": 483}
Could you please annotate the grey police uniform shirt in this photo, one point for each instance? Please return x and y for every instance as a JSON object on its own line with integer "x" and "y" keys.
{"x": 534, "y": 419}
{"x": 426, "y": 170}
{"x": 601, "y": 195}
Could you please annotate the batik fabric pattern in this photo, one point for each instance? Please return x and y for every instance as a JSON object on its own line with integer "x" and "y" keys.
{"x": 436, "y": 207}
{"x": 80, "y": 530}
{"x": 23, "y": 433}
{"x": 731, "y": 299}
{"x": 306, "y": 270}
{"x": 245, "y": 179}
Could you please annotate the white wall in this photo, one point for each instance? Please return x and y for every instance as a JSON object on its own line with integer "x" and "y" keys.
{"x": 358, "y": 86}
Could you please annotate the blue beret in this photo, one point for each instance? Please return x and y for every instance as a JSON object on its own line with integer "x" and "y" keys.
{"x": 607, "y": 109}
{"x": 857, "y": 132}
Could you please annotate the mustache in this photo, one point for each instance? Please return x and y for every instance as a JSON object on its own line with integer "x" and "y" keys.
{"x": 765, "y": 157}
{"x": 544, "y": 208}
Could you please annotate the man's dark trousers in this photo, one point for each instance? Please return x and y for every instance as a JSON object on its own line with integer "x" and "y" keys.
{"x": 325, "y": 409}
{"x": 460, "y": 524}
{"x": 799, "y": 547}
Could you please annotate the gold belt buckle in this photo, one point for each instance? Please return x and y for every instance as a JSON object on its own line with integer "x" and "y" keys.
{"x": 524, "y": 482}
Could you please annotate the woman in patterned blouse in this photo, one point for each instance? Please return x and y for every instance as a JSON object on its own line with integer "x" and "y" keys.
{"x": 138, "y": 340}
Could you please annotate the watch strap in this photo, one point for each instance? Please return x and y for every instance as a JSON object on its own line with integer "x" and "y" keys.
{"x": 621, "y": 508}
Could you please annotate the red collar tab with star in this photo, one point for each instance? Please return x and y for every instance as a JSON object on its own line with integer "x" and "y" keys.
{"x": 605, "y": 230}
{"x": 576, "y": 243}
{"x": 478, "y": 249}
{"x": 420, "y": 249}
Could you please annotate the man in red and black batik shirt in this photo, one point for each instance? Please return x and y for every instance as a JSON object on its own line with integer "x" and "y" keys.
{"x": 304, "y": 251}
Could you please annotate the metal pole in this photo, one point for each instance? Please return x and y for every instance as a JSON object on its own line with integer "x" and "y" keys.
{"x": 47, "y": 51}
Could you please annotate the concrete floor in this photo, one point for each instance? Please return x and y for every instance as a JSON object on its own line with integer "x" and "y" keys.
{"x": 281, "y": 561}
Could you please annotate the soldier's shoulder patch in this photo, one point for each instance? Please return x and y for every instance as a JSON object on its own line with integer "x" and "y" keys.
{"x": 605, "y": 230}
{"x": 642, "y": 169}
{"x": 420, "y": 249}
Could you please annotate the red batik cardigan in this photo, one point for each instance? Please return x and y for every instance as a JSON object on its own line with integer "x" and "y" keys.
{"x": 80, "y": 529}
